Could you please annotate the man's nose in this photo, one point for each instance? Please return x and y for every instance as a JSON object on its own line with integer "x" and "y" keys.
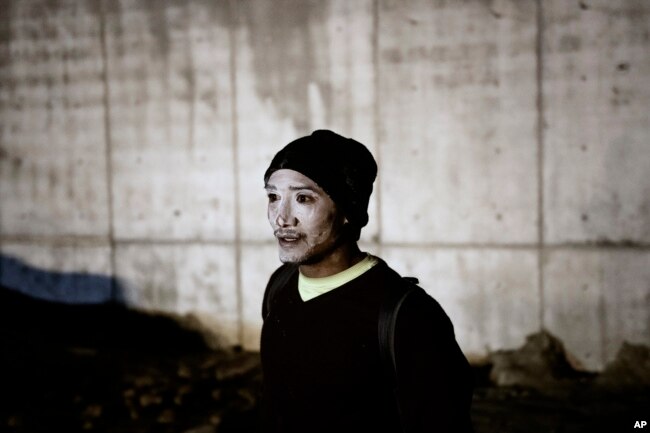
{"x": 285, "y": 214}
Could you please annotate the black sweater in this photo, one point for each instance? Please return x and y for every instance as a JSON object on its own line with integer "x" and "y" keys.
{"x": 322, "y": 368}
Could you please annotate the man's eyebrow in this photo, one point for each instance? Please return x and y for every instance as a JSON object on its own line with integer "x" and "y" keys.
{"x": 301, "y": 187}
{"x": 292, "y": 188}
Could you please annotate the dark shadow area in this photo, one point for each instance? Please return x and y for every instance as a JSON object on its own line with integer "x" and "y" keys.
{"x": 99, "y": 366}
{"x": 102, "y": 367}
{"x": 76, "y": 310}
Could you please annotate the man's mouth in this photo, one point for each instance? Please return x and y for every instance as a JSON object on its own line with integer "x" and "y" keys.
{"x": 287, "y": 238}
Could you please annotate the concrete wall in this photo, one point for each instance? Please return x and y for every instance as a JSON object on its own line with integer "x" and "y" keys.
{"x": 512, "y": 138}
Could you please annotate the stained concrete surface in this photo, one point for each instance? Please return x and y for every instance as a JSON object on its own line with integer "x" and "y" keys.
{"x": 104, "y": 368}
{"x": 595, "y": 77}
{"x": 457, "y": 107}
{"x": 511, "y": 137}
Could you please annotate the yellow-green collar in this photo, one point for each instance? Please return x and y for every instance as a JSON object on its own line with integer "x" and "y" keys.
{"x": 309, "y": 288}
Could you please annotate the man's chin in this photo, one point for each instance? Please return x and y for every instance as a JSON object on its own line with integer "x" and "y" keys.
{"x": 290, "y": 259}
{"x": 304, "y": 259}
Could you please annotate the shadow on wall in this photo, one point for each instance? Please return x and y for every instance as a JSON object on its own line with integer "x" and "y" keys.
{"x": 64, "y": 287}
{"x": 73, "y": 357}
{"x": 73, "y": 309}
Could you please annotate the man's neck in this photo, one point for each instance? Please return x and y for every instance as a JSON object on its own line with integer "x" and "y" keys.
{"x": 344, "y": 257}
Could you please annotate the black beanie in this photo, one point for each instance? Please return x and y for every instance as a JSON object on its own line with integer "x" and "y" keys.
{"x": 343, "y": 167}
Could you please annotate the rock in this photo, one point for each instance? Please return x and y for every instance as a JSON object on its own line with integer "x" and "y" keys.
{"x": 215, "y": 419}
{"x": 237, "y": 367}
{"x": 181, "y": 392}
{"x": 184, "y": 371}
{"x": 167, "y": 416}
{"x": 247, "y": 399}
{"x": 143, "y": 381}
{"x": 14, "y": 421}
{"x": 93, "y": 411}
{"x": 630, "y": 369}
{"x": 540, "y": 363}
{"x": 202, "y": 429}
{"x": 209, "y": 362}
{"x": 150, "y": 400}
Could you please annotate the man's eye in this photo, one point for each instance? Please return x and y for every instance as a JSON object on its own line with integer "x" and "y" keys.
{"x": 272, "y": 197}
{"x": 303, "y": 198}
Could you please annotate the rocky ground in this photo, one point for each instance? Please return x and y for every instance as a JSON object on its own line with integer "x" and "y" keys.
{"x": 108, "y": 369}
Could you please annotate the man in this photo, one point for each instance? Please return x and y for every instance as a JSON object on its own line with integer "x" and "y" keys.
{"x": 321, "y": 352}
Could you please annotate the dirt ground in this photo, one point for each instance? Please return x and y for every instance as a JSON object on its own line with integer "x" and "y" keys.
{"x": 70, "y": 369}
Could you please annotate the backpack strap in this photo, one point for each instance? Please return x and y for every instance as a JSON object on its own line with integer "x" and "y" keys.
{"x": 386, "y": 327}
{"x": 282, "y": 278}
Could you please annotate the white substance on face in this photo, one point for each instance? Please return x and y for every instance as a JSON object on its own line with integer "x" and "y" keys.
{"x": 304, "y": 218}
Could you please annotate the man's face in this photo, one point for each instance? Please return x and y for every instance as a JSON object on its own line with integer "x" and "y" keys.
{"x": 304, "y": 218}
